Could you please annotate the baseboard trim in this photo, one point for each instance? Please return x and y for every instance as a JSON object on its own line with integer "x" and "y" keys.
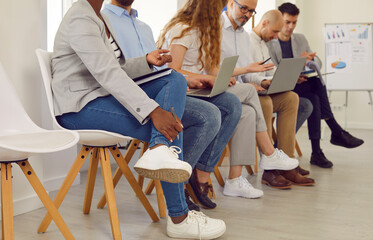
{"x": 32, "y": 202}
{"x": 26, "y": 204}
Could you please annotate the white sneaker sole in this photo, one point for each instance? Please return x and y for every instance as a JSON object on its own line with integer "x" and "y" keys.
{"x": 274, "y": 167}
{"x": 211, "y": 236}
{"x": 240, "y": 195}
{"x": 165, "y": 174}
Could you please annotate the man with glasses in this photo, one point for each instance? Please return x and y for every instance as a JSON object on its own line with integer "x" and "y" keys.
{"x": 236, "y": 41}
{"x": 289, "y": 45}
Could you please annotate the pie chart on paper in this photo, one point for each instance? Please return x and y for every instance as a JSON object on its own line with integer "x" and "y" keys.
{"x": 338, "y": 65}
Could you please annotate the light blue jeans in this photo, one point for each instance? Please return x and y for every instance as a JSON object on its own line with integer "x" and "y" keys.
{"x": 208, "y": 125}
{"x": 106, "y": 113}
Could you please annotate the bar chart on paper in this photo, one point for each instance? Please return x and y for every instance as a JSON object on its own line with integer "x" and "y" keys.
{"x": 349, "y": 53}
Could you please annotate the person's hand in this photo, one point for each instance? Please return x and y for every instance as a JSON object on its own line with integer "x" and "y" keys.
{"x": 165, "y": 123}
{"x": 302, "y": 78}
{"x": 158, "y": 57}
{"x": 257, "y": 87}
{"x": 265, "y": 83}
{"x": 308, "y": 55}
{"x": 206, "y": 81}
{"x": 258, "y": 67}
{"x": 232, "y": 81}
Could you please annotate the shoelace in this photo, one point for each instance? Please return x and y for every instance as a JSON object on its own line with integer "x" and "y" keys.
{"x": 199, "y": 218}
{"x": 243, "y": 182}
{"x": 281, "y": 154}
{"x": 175, "y": 150}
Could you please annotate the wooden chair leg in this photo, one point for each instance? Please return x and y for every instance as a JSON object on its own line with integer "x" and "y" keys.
{"x": 109, "y": 192}
{"x": 132, "y": 181}
{"x": 140, "y": 179}
{"x": 160, "y": 199}
{"x": 44, "y": 197}
{"x": 150, "y": 187}
{"x": 91, "y": 178}
{"x": 118, "y": 173}
{"x": 249, "y": 169}
{"x": 297, "y": 148}
{"x": 7, "y": 202}
{"x": 217, "y": 173}
{"x": 74, "y": 170}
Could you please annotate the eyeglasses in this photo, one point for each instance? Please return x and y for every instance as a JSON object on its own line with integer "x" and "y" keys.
{"x": 245, "y": 9}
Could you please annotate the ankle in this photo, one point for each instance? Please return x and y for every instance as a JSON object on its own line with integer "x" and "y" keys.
{"x": 269, "y": 153}
{"x": 202, "y": 176}
{"x": 179, "y": 219}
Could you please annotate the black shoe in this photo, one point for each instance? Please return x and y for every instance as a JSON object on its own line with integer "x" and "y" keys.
{"x": 191, "y": 205}
{"x": 320, "y": 160}
{"x": 201, "y": 191}
{"x": 345, "y": 139}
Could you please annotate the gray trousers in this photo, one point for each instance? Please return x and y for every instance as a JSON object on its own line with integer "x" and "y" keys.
{"x": 242, "y": 146}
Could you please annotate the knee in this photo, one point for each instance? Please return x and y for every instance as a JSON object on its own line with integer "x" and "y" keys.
{"x": 178, "y": 80}
{"x": 248, "y": 114}
{"x": 235, "y": 107}
{"x": 305, "y": 106}
{"x": 210, "y": 118}
{"x": 292, "y": 98}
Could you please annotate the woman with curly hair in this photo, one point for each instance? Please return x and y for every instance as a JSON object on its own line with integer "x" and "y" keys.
{"x": 193, "y": 37}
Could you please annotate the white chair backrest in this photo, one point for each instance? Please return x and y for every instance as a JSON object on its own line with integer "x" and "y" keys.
{"x": 44, "y": 59}
{"x": 13, "y": 118}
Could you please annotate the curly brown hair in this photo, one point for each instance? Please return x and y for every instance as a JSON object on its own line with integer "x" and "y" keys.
{"x": 204, "y": 16}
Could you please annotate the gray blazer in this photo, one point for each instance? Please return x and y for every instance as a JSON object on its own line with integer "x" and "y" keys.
{"x": 299, "y": 44}
{"x": 84, "y": 66}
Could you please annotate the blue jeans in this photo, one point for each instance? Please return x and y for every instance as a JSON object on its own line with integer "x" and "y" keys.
{"x": 208, "y": 125}
{"x": 304, "y": 111}
{"x": 106, "y": 113}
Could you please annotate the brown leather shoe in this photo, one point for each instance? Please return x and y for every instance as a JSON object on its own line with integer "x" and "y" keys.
{"x": 302, "y": 171}
{"x": 295, "y": 178}
{"x": 201, "y": 191}
{"x": 274, "y": 179}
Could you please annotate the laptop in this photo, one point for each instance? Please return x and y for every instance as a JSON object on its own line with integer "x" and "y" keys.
{"x": 221, "y": 82}
{"x": 286, "y": 76}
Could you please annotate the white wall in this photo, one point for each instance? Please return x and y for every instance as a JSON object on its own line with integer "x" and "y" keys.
{"x": 19, "y": 38}
{"x": 155, "y": 13}
{"x": 23, "y": 29}
{"x": 313, "y": 15}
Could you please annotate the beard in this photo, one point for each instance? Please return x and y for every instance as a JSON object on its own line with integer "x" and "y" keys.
{"x": 240, "y": 21}
{"x": 125, "y": 3}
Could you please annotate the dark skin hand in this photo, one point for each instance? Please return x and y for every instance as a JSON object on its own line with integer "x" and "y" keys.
{"x": 158, "y": 57}
{"x": 165, "y": 123}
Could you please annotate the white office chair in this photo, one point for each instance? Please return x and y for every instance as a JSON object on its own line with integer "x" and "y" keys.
{"x": 21, "y": 138}
{"x": 99, "y": 143}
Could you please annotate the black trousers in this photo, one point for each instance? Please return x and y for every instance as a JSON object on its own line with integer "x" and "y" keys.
{"x": 316, "y": 93}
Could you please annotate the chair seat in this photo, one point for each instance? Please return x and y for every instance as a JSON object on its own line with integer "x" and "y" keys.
{"x": 99, "y": 138}
{"x": 19, "y": 146}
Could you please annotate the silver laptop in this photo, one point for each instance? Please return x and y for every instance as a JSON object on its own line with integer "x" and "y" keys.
{"x": 286, "y": 76}
{"x": 222, "y": 80}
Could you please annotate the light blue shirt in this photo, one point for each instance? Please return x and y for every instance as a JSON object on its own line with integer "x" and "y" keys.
{"x": 134, "y": 36}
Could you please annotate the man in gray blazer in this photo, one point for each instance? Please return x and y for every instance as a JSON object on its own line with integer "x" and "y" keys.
{"x": 289, "y": 45}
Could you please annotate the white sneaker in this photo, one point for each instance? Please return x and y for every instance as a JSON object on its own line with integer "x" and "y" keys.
{"x": 278, "y": 161}
{"x": 240, "y": 187}
{"x": 196, "y": 226}
{"x": 163, "y": 163}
